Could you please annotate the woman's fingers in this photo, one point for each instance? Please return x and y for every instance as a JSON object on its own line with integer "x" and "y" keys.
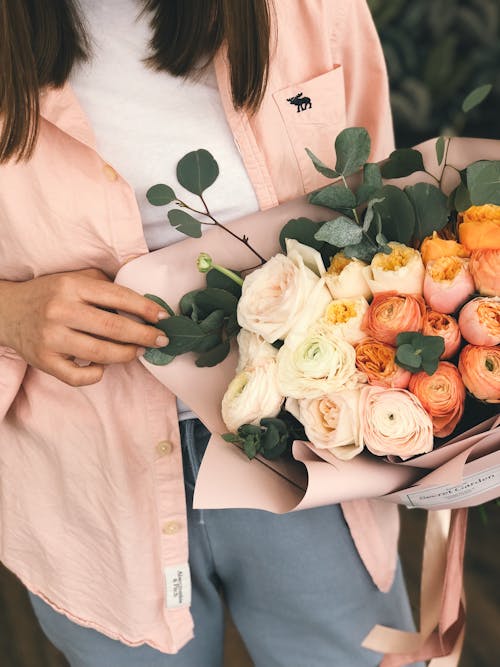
{"x": 98, "y": 351}
{"x": 71, "y": 373}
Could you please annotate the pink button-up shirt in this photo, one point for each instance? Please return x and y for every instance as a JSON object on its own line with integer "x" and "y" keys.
{"x": 92, "y": 507}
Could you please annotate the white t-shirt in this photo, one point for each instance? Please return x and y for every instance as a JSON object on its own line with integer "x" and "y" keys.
{"x": 145, "y": 121}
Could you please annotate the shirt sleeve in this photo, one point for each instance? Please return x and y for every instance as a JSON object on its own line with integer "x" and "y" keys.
{"x": 357, "y": 45}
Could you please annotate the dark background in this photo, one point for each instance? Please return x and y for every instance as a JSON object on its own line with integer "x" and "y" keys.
{"x": 437, "y": 51}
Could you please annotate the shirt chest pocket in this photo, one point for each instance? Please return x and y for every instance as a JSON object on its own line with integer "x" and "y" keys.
{"x": 313, "y": 113}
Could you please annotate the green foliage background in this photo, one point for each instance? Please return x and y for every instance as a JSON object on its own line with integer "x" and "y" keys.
{"x": 437, "y": 51}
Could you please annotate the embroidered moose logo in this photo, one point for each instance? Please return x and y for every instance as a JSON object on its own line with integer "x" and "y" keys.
{"x": 302, "y": 103}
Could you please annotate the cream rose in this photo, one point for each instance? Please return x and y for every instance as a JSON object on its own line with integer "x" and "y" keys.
{"x": 277, "y": 295}
{"x": 253, "y": 350}
{"x": 345, "y": 278}
{"x": 331, "y": 422}
{"x": 252, "y": 395}
{"x": 393, "y": 421}
{"x": 317, "y": 363}
{"x": 345, "y": 316}
{"x": 402, "y": 270}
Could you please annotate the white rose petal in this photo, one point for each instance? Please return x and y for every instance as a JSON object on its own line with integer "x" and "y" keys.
{"x": 402, "y": 271}
{"x": 350, "y": 282}
{"x": 253, "y": 350}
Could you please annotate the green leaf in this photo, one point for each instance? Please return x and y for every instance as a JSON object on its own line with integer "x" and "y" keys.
{"x": 211, "y": 340}
{"x": 160, "y": 302}
{"x": 430, "y": 206}
{"x": 430, "y": 365}
{"x": 214, "y": 356}
{"x": 321, "y": 166}
{"x": 433, "y": 346}
{"x": 157, "y": 356}
{"x": 352, "y": 148}
{"x": 440, "y": 146}
{"x": 365, "y": 250}
{"x": 271, "y": 437}
{"x": 476, "y": 97}
{"x": 231, "y": 437}
{"x": 483, "y": 181}
{"x": 213, "y": 298}
{"x": 160, "y": 195}
{"x": 340, "y": 232}
{"x": 197, "y": 170}
{"x": 403, "y": 162}
{"x": 372, "y": 183}
{"x": 232, "y": 326}
{"x": 409, "y": 337}
{"x": 185, "y": 223}
{"x": 397, "y": 214}
{"x": 372, "y": 214}
{"x": 461, "y": 198}
{"x": 184, "y": 334}
{"x": 302, "y": 230}
{"x": 335, "y": 196}
{"x": 212, "y": 322}
{"x": 217, "y": 279}
{"x": 187, "y": 304}
{"x": 407, "y": 356}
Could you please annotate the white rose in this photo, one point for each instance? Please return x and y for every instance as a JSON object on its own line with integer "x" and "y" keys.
{"x": 345, "y": 278}
{"x": 344, "y": 318}
{"x": 402, "y": 271}
{"x": 274, "y": 296}
{"x": 253, "y": 350}
{"x": 252, "y": 395}
{"x": 317, "y": 363}
{"x": 331, "y": 422}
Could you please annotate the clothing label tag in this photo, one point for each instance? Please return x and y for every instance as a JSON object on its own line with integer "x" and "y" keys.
{"x": 473, "y": 485}
{"x": 178, "y": 586}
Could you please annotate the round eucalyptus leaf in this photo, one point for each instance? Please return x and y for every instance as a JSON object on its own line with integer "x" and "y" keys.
{"x": 483, "y": 180}
{"x": 340, "y": 232}
{"x": 335, "y": 196}
{"x": 214, "y": 356}
{"x": 197, "y": 171}
{"x": 403, "y": 162}
{"x": 160, "y": 195}
{"x": 157, "y": 356}
{"x": 302, "y": 230}
{"x": 185, "y": 223}
{"x": 397, "y": 214}
{"x": 430, "y": 206}
{"x": 321, "y": 166}
{"x": 352, "y": 148}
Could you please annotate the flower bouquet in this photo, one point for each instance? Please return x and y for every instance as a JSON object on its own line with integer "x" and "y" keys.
{"x": 373, "y": 407}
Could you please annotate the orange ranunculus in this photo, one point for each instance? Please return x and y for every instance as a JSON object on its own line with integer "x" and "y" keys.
{"x": 391, "y": 313}
{"x": 378, "y": 361}
{"x": 434, "y": 247}
{"x": 446, "y": 326}
{"x": 442, "y": 395}
{"x": 484, "y": 266}
{"x": 480, "y": 227}
{"x": 479, "y": 367}
{"x": 479, "y": 321}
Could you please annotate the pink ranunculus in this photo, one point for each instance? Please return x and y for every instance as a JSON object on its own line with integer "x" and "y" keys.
{"x": 394, "y": 422}
{"x": 479, "y": 321}
{"x": 485, "y": 269}
{"x": 447, "y": 283}
{"x": 446, "y": 326}
{"x": 479, "y": 367}
{"x": 442, "y": 395}
{"x": 390, "y": 313}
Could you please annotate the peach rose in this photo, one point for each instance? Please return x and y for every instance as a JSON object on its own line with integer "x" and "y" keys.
{"x": 434, "y": 247}
{"x": 401, "y": 270}
{"x": 394, "y": 422}
{"x": 447, "y": 283}
{"x": 485, "y": 269}
{"x": 446, "y": 326}
{"x": 480, "y": 227}
{"x": 442, "y": 395}
{"x": 480, "y": 370}
{"x": 345, "y": 279}
{"x": 391, "y": 313}
{"x": 479, "y": 321}
{"x": 378, "y": 361}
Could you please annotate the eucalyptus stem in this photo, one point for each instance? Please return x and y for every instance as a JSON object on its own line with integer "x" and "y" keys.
{"x": 352, "y": 209}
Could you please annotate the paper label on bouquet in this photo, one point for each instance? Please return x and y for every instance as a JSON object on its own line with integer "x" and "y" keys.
{"x": 472, "y": 485}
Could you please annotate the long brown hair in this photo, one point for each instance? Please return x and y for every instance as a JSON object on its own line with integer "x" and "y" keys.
{"x": 41, "y": 41}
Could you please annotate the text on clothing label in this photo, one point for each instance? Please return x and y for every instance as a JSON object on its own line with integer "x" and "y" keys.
{"x": 177, "y": 586}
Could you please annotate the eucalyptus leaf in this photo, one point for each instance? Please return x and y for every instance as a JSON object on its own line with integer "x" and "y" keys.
{"x": 408, "y": 337}
{"x": 160, "y": 302}
{"x": 430, "y": 366}
{"x": 185, "y": 223}
{"x": 187, "y": 305}
{"x": 231, "y": 437}
{"x": 335, "y": 196}
{"x": 184, "y": 334}
{"x": 475, "y": 98}
{"x": 397, "y": 214}
{"x": 461, "y": 198}
{"x": 352, "y": 148}
{"x": 403, "y": 162}
{"x": 365, "y": 250}
{"x": 371, "y": 213}
{"x": 483, "y": 181}
{"x": 433, "y": 347}
{"x": 213, "y": 298}
{"x": 214, "y": 356}
{"x": 302, "y": 230}
{"x": 407, "y": 356}
{"x": 213, "y": 321}
{"x": 160, "y": 195}
{"x": 232, "y": 325}
{"x": 217, "y": 279}
{"x": 430, "y": 206}
{"x": 321, "y": 166}
{"x": 340, "y": 232}
{"x": 372, "y": 183}
{"x": 157, "y": 356}
{"x": 440, "y": 146}
{"x": 197, "y": 171}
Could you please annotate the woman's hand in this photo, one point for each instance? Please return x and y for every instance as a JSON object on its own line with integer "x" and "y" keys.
{"x": 53, "y": 320}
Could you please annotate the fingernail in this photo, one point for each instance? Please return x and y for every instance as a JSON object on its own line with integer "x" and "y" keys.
{"x": 140, "y": 351}
{"x": 161, "y": 341}
{"x": 162, "y": 315}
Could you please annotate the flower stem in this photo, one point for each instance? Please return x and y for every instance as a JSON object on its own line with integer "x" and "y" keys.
{"x": 228, "y": 273}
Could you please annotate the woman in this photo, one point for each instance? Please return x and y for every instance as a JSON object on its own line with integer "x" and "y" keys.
{"x": 93, "y": 517}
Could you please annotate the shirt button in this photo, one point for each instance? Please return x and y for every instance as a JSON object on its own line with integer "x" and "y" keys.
{"x": 164, "y": 447}
{"x": 171, "y": 527}
{"x": 109, "y": 172}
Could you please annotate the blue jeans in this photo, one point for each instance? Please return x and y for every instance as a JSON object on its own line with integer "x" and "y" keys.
{"x": 295, "y": 586}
